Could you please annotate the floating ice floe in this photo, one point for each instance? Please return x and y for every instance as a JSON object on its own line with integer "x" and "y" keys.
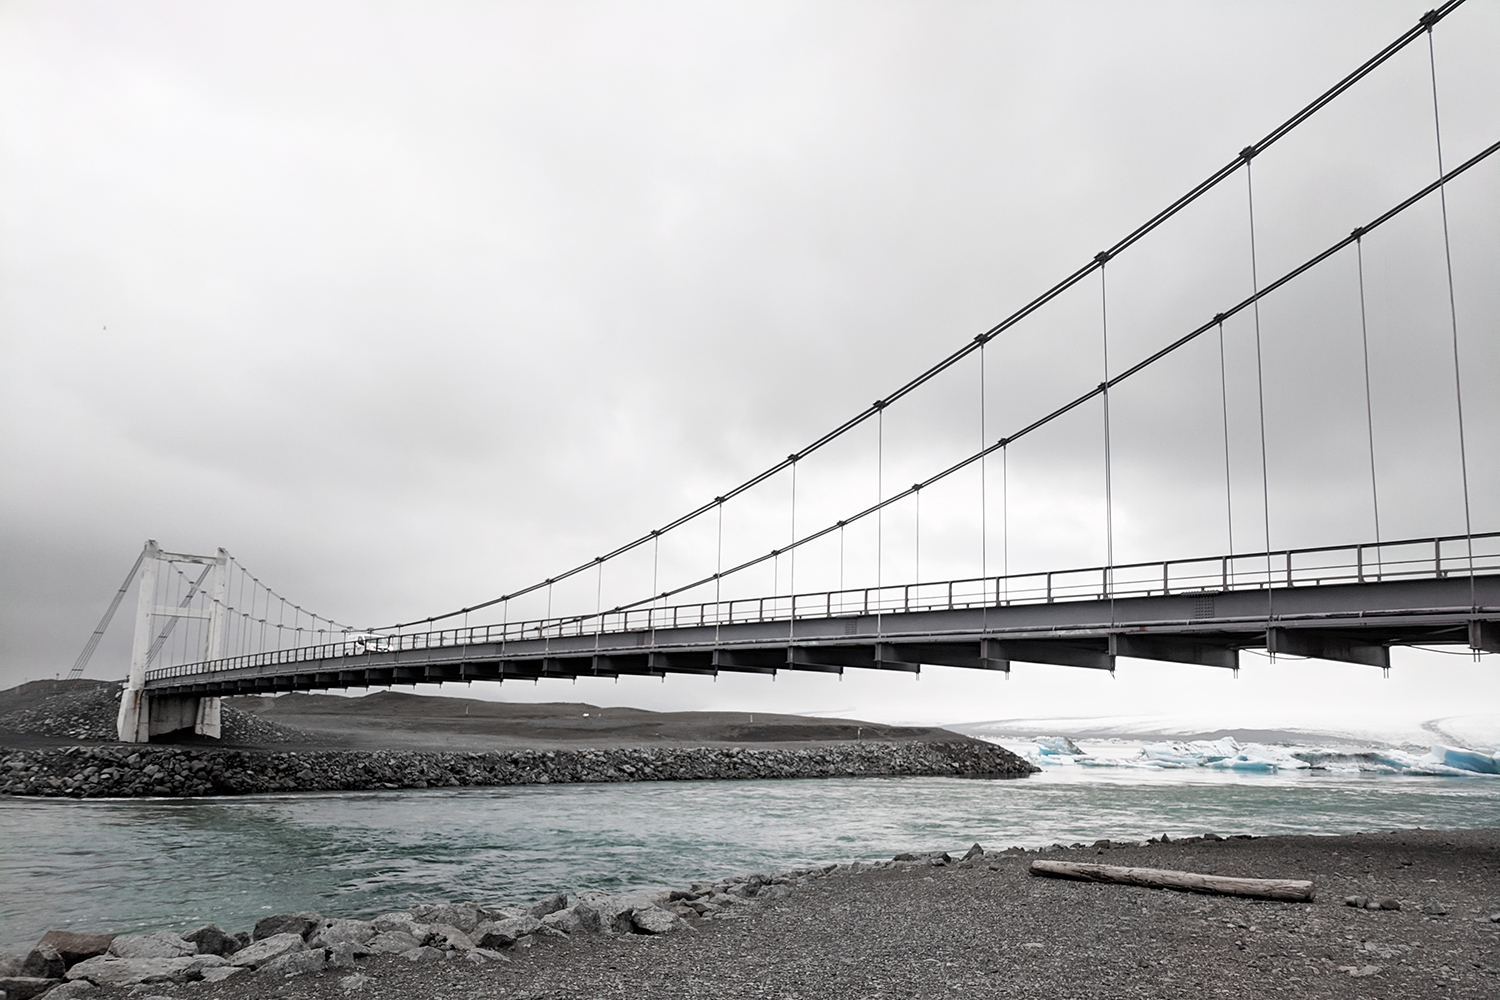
{"x": 1230, "y": 755}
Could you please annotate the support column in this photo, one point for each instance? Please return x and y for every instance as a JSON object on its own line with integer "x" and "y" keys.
{"x": 207, "y": 721}
{"x": 133, "y": 724}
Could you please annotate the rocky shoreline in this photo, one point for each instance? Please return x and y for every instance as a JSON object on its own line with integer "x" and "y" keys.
{"x": 133, "y": 770}
{"x": 913, "y": 926}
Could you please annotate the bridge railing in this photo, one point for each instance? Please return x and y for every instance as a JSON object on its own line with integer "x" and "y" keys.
{"x": 1407, "y": 559}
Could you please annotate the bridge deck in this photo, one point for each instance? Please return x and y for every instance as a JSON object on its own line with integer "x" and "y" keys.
{"x": 1351, "y": 622}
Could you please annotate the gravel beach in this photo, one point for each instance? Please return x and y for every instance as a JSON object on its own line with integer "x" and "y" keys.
{"x": 934, "y": 926}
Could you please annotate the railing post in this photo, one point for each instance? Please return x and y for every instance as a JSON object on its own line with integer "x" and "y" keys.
{"x": 1437, "y": 557}
{"x": 1049, "y": 586}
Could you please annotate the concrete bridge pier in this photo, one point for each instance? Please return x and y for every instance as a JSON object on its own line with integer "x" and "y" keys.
{"x": 143, "y": 715}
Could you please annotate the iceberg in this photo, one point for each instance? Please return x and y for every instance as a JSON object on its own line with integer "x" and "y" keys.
{"x": 1057, "y": 746}
{"x": 1462, "y": 759}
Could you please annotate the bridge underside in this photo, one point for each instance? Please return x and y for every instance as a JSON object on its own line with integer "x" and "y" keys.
{"x": 1355, "y": 623}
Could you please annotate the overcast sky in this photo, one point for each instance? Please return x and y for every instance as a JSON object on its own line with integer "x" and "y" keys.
{"x": 408, "y": 305}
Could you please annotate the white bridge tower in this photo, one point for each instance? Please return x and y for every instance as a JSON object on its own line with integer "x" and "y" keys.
{"x": 142, "y": 715}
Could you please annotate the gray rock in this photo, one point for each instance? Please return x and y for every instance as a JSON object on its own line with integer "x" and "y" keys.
{"x": 654, "y": 920}
{"x": 449, "y": 937}
{"x": 482, "y": 956}
{"x": 159, "y": 944}
{"x": 107, "y": 970}
{"x": 358, "y": 981}
{"x": 1385, "y": 903}
{"x": 266, "y": 949}
{"x": 219, "y": 973}
{"x": 294, "y": 963}
{"x": 601, "y": 913}
{"x": 343, "y": 954}
{"x": 464, "y": 916}
{"x": 422, "y": 955}
{"x": 1430, "y": 909}
{"x": 26, "y": 987}
{"x": 770, "y": 892}
{"x": 564, "y": 921}
{"x": 301, "y": 924}
{"x": 10, "y": 965}
{"x": 74, "y": 948}
{"x": 504, "y": 933}
{"x": 393, "y": 943}
{"x": 551, "y": 904}
{"x": 978, "y": 852}
{"x": 401, "y": 920}
{"x": 1359, "y": 902}
{"x": 71, "y": 991}
{"x": 338, "y": 931}
{"x": 43, "y": 963}
{"x": 211, "y": 939}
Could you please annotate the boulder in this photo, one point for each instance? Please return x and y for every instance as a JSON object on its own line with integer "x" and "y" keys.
{"x": 74, "y": 948}
{"x": 601, "y": 913}
{"x": 107, "y": 970}
{"x": 343, "y": 954}
{"x": 654, "y": 920}
{"x": 564, "y": 921}
{"x": 219, "y": 973}
{"x": 211, "y": 939}
{"x": 978, "y": 852}
{"x": 10, "y": 965}
{"x": 393, "y": 943}
{"x": 71, "y": 991}
{"x": 294, "y": 963}
{"x": 43, "y": 963}
{"x": 422, "y": 955}
{"x": 158, "y": 944}
{"x": 551, "y": 904}
{"x": 464, "y": 916}
{"x": 494, "y": 934}
{"x": 398, "y": 921}
{"x": 26, "y": 987}
{"x": 264, "y": 950}
{"x": 449, "y": 937}
{"x": 301, "y": 924}
{"x": 339, "y": 931}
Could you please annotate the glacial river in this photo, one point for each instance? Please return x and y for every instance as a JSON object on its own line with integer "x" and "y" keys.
{"x": 140, "y": 864}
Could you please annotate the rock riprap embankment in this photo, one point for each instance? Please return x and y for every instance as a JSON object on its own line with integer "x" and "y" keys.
{"x": 124, "y": 770}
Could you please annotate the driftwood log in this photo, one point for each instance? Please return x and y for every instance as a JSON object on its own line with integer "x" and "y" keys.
{"x": 1289, "y": 890}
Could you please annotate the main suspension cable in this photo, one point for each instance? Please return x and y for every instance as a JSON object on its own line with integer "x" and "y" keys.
{"x": 1003, "y": 444}
{"x": 1150, "y": 225}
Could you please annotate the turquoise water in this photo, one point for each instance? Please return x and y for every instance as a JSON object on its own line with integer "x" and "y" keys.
{"x": 140, "y": 864}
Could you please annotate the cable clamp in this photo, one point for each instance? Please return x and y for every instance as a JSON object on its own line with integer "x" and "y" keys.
{"x": 1359, "y": 231}
{"x": 1101, "y": 257}
{"x": 1428, "y": 19}
{"x": 1219, "y": 318}
{"x": 879, "y": 404}
{"x": 1247, "y": 153}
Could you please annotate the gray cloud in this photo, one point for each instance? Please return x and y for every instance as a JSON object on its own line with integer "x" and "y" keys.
{"x": 413, "y": 305}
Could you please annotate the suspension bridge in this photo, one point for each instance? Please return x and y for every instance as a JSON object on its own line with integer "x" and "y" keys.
{"x": 206, "y": 628}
